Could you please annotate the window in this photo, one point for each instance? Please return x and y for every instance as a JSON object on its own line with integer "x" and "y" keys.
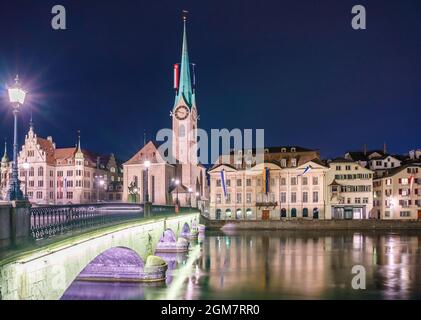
{"x": 305, "y": 213}
{"x": 338, "y": 168}
{"x": 315, "y": 196}
{"x": 405, "y": 214}
{"x": 305, "y": 197}
{"x": 259, "y": 182}
{"x": 357, "y": 200}
{"x": 70, "y": 173}
{"x": 40, "y": 183}
{"x": 293, "y": 162}
{"x": 283, "y": 197}
{"x": 39, "y": 194}
{"x": 387, "y": 214}
{"x": 69, "y": 195}
{"x": 69, "y": 184}
{"x": 248, "y": 182}
{"x": 59, "y": 173}
{"x": 283, "y": 181}
{"x": 239, "y": 198}
{"x": 218, "y": 198}
{"x": 228, "y": 198}
{"x": 293, "y": 197}
{"x": 272, "y": 181}
{"x": 218, "y": 182}
{"x": 31, "y": 172}
{"x": 239, "y": 214}
{"x": 248, "y": 197}
{"x": 404, "y": 181}
{"x": 315, "y": 181}
{"x": 365, "y": 200}
{"x": 228, "y": 183}
{"x": 348, "y": 168}
{"x": 238, "y": 182}
{"x": 283, "y": 163}
{"x": 294, "y": 181}
{"x": 31, "y": 183}
{"x": 305, "y": 181}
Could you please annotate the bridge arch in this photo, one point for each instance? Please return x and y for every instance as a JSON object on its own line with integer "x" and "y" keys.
{"x": 48, "y": 271}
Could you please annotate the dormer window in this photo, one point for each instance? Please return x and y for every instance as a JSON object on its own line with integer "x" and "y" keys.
{"x": 293, "y": 149}
{"x": 294, "y": 162}
{"x": 283, "y": 150}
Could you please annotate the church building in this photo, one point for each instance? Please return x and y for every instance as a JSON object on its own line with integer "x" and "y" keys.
{"x": 166, "y": 179}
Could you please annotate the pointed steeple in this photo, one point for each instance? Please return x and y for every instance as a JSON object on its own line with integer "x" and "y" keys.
{"x": 5, "y": 158}
{"x": 79, "y": 153}
{"x": 185, "y": 86}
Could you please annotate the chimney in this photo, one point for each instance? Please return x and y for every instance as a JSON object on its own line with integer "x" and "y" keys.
{"x": 365, "y": 149}
{"x": 384, "y": 148}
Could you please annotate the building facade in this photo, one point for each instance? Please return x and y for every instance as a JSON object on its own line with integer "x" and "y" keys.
{"x": 397, "y": 194}
{"x": 349, "y": 191}
{"x": 171, "y": 175}
{"x": 51, "y": 175}
{"x": 286, "y": 186}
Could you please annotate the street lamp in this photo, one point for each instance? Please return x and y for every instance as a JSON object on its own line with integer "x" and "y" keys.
{"x": 197, "y": 202}
{"x": 26, "y": 168}
{"x": 177, "y": 182}
{"x": 100, "y": 183}
{"x": 147, "y": 164}
{"x": 190, "y": 191}
{"x": 17, "y": 98}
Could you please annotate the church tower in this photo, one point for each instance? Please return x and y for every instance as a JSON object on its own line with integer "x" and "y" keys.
{"x": 184, "y": 113}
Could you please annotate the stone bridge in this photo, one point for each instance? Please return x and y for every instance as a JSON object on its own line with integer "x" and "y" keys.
{"x": 46, "y": 271}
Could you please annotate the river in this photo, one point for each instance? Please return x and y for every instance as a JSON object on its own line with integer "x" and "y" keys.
{"x": 281, "y": 265}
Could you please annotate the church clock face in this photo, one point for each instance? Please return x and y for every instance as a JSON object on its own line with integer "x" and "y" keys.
{"x": 181, "y": 113}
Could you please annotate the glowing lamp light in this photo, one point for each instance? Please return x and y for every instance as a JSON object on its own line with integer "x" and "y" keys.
{"x": 25, "y": 165}
{"x": 190, "y": 189}
{"x": 197, "y": 194}
{"x": 177, "y": 182}
{"x": 101, "y": 182}
{"x": 147, "y": 163}
{"x": 17, "y": 95}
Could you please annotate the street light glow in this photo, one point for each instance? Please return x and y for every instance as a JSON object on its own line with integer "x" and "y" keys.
{"x": 17, "y": 95}
{"x": 26, "y": 165}
{"x": 177, "y": 182}
{"x": 147, "y": 163}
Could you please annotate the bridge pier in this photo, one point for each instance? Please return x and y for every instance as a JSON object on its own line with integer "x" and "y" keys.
{"x": 15, "y": 226}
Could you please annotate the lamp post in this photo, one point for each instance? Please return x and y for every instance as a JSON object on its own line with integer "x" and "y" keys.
{"x": 197, "y": 202}
{"x": 190, "y": 191}
{"x": 17, "y": 98}
{"x": 26, "y": 168}
{"x": 100, "y": 183}
{"x": 147, "y": 164}
{"x": 177, "y": 182}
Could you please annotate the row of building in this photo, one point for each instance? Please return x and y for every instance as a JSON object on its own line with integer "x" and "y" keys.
{"x": 56, "y": 176}
{"x": 294, "y": 183}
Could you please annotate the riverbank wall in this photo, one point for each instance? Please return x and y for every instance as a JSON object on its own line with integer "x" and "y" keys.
{"x": 302, "y": 224}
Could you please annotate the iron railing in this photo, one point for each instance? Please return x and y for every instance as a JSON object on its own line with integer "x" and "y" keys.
{"x": 50, "y": 221}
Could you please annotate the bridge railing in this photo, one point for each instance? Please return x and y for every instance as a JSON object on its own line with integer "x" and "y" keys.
{"x": 50, "y": 221}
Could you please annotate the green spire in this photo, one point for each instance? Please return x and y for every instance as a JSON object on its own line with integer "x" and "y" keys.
{"x": 185, "y": 85}
{"x": 5, "y": 157}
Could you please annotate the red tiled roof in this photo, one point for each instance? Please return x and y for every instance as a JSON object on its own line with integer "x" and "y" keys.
{"x": 48, "y": 147}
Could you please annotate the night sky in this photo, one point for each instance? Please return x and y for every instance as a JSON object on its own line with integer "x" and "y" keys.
{"x": 294, "y": 68}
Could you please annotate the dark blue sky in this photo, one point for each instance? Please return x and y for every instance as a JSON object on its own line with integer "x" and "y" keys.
{"x": 295, "y": 68}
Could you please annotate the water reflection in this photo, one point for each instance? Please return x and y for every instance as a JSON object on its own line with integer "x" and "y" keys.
{"x": 309, "y": 265}
{"x": 283, "y": 265}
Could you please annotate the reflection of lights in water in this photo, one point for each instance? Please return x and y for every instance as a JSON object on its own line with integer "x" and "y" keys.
{"x": 396, "y": 270}
{"x": 179, "y": 277}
